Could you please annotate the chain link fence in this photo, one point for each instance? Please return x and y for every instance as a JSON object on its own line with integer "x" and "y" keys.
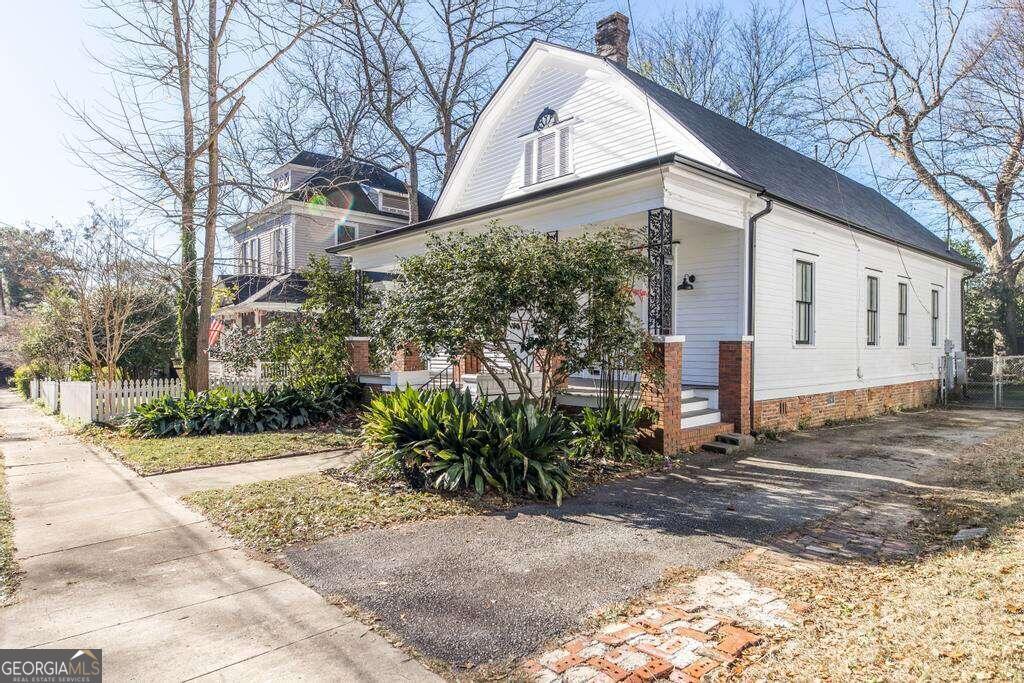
{"x": 996, "y": 381}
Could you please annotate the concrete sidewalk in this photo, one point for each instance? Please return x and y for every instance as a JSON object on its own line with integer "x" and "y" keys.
{"x": 112, "y": 562}
{"x": 178, "y": 484}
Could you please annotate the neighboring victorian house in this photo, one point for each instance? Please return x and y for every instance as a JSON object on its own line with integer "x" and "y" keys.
{"x": 320, "y": 202}
{"x": 783, "y": 293}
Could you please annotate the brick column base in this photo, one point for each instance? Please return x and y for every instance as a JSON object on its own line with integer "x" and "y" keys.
{"x": 662, "y": 391}
{"x": 407, "y": 357}
{"x": 359, "y": 354}
{"x": 734, "y": 366}
{"x": 466, "y": 365}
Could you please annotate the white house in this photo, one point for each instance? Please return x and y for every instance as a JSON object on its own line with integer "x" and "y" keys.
{"x": 320, "y": 201}
{"x": 785, "y": 293}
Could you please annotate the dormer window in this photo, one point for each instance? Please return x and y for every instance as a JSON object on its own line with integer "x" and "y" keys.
{"x": 393, "y": 202}
{"x": 547, "y": 151}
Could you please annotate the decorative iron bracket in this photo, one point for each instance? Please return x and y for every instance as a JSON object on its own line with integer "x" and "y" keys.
{"x": 659, "y": 282}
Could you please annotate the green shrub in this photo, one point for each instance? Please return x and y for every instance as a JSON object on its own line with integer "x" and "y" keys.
{"x": 446, "y": 440}
{"x": 611, "y": 432}
{"x": 220, "y": 411}
{"x": 22, "y": 379}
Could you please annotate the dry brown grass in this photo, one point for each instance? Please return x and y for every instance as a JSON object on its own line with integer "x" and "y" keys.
{"x": 955, "y": 613}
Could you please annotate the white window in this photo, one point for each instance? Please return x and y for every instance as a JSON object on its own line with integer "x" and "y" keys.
{"x": 243, "y": 257}
{"x": 344, "y": 232}
{"x": 803, "y": 333}
{"x": 394, "y": 202}
{"x": 935, "y": 317}
{"x": 547, "y": 152}
{"x": 281, "y": 250}
{"x": 902, "y": 315}
{"x": 872, "y": 312}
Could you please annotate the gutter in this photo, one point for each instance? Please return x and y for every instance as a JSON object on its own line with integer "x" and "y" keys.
{"x": 646, "y": 165}
{"x": 751, "y": 262}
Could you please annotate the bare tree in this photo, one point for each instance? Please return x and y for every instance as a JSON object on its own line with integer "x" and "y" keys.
{"x": 113, "y": 301}
{"x": 751, "y": 67}
{"x": 159, "y": 142}
{"x": 948, "y": 105}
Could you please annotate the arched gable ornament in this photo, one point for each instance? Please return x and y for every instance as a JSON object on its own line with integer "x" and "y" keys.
{"x": 547, "y": 118}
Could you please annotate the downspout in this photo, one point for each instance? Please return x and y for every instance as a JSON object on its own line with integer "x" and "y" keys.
{"x": 751, "y": 244}
{"x": 963, "y": 317}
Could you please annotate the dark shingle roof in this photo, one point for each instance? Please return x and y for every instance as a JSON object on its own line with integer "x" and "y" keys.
{"x": 791, "y": 176}
{"x": 346, "y": 176}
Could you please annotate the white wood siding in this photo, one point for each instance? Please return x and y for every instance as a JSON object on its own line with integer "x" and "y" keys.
{"x": 839, "y": 357}
{"x": 610, "y": 128}
{"x": 707, "y": 314}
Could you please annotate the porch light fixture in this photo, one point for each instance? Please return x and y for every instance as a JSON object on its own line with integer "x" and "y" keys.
{"x": 687, "y": 282}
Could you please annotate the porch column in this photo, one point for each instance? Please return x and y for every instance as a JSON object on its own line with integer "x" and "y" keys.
{"x": 662, "y": 390}
{"x": 359, "y": 354}
{"x": 407, "y": 358}
{"x": 735, "y": 361}
{"x": 466, "y": 365}
{"x": 659, "y": 282}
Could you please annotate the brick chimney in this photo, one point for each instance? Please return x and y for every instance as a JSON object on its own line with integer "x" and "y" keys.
{"x": 612, "y": 38}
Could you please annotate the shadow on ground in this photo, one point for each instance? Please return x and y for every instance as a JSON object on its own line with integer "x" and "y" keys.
{"x": 495, "y": 587}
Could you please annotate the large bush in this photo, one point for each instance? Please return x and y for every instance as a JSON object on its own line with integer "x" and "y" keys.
{"x": 219, "y": 411}
{"x": 446, "y": 440}
{"x": 22, "y": 379}
{"x": 522, "y": 304}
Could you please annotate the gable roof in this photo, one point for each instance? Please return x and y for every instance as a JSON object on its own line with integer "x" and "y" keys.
{"x": 349, "y": 176}
{"x": 789, "y": 175}
{"x": 757, "y": 161}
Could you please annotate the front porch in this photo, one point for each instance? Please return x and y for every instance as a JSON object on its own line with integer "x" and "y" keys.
{"x": 694, "y": 303}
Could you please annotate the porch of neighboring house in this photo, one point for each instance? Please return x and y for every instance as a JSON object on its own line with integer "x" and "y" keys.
{"x": 694, "y": 305}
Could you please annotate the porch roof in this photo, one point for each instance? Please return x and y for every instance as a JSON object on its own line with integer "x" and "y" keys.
{"x": 640, "y": 167}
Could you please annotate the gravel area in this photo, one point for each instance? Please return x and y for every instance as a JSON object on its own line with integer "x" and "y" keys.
{"x": 495, "y": 587}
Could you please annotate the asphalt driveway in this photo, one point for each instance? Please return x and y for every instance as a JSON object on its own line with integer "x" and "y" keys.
{"x": 495, "y": 587}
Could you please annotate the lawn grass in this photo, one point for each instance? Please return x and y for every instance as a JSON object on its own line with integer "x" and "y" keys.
{"x": 955, "y": 613}
{"x": 270, "y": 515}
{"x": 157, "y": 456}
{"x": 8, "y": 567}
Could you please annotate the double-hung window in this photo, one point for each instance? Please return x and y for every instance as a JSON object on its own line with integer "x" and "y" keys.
{"x": 281, "y": 250}
{"x": 935, "y": 317}
{"x": 344, "y": 232}
{"x": 872, "y": 310}
{"x": 901, "y": 316}
{"x": 804, "y": 327}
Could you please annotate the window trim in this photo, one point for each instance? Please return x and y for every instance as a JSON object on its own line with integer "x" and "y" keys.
{"x": 872, "y": 333}
{"x": 902, "y": 314}
{"x": 800, "y": 259}
{"x": 531, "y": 141}
{"x": 935, "y": 315}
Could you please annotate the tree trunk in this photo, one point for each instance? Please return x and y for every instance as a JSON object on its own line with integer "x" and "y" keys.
{"x": 1007, "y": 331}
{"x": 413, "y": 185}
{"x": 210, "y": 225}
{"x": 188, "y": 318}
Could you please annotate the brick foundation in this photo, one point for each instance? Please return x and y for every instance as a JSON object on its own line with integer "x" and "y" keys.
{"x": 359, "y": 354}
{"x": 814, "y": 410}
{"x": 734, "y": 364}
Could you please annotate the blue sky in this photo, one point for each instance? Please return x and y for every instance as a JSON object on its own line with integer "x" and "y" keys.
{"x": 43, "y": 54}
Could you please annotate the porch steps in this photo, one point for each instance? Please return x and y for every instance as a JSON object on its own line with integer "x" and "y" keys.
{"x": 729, "y": 443}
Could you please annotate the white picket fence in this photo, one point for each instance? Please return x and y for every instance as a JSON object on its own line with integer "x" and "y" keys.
{"x": 107, "y": 401}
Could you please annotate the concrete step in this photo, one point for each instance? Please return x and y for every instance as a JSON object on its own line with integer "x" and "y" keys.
{"x": 720, "y": 447}
{"x": 741, "y": 440}
{"x": 693, "y": 405}
{"x": 728, "y": 443}
{"x": 699, "y": 418}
